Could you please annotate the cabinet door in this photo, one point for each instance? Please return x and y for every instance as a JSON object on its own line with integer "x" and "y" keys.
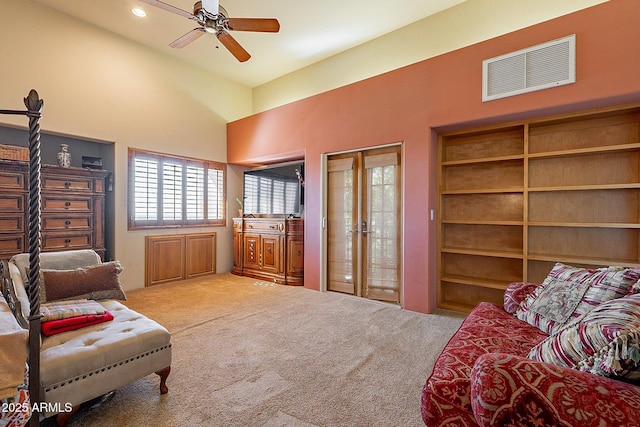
{"x": 237, "y": 251}
{"x": 295, "y": 257}
{"x": 200, "y": 255}
{"x": 270, "y": 254}
{"x": 252, "y": 251}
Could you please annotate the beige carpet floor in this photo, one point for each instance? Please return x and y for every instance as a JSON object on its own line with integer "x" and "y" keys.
{"x": 250, "y": 353}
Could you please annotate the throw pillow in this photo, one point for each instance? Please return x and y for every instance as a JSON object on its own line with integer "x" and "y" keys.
{"x": 603, "y": 341}
{"x": 100, "y": 281}
{"x": 569, "y": 292}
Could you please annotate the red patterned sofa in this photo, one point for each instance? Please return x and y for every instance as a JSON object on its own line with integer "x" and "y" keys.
{"x": 488, "y": 374}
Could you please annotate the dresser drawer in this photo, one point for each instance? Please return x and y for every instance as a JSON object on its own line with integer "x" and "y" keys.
{"x": 60, "y": 223}
{"x": 264, "y": 226}
{"x": 61, "y": 241}
{"x": 12, "y": 223}
{"x": 75, "y": 184}
{"x": 12, "y": 202}
{"x": 13, "y": 181}
{"x": 11, "y": 245}
{"x": 66, "y": 204}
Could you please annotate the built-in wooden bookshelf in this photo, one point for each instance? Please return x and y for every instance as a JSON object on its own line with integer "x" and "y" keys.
{"x": 516, "y": 198}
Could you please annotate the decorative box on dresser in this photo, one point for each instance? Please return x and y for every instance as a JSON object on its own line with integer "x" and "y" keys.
{"x": 72, "y": 204}
{"x": 269, "y": 248}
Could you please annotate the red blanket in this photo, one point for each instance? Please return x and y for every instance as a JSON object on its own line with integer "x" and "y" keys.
{"x": 63, "y": 325}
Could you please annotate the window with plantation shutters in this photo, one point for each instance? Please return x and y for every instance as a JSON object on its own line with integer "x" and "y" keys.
{"x": 171, "y": 191}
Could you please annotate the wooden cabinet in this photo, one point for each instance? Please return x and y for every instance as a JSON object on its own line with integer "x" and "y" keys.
{"x": 173, "y": 257}
{"x": 71, "y": 204}
{"x": 515, "y": 199}
{"x": 269, "y": 248}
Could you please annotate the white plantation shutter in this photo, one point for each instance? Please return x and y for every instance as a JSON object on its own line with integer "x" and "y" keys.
{"x": 195, "y": 193}
{"x": 169, "y": 191}
{"x": 215, "y": 192}
{"x": 145, "y": 184}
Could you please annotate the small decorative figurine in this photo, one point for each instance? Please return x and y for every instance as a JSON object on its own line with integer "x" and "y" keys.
{"x": 64, "y": 156}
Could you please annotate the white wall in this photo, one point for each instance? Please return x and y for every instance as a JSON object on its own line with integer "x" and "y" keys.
{"x": 101, "y": 86}
{"x": 468, "y": 23}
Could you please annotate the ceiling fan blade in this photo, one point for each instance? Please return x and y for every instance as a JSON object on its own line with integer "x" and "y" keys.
{"x": 264, "y": 25}
{"x": 211, "y": 6}
{"x": 169, "y": 8}
{"x": 187, "y": 38}
{"x": 233, "y": 46}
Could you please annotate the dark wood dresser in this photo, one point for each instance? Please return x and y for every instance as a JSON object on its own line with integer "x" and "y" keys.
{"x": 72, "y": 204}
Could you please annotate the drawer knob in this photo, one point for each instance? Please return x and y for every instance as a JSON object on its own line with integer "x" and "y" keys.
{"x": 67, "y": 241}
{"x": 67, "y": 184}
{"x": 299, "y": 253}
{"x": 67, "y": 204}
{"x": 67, "y": 222}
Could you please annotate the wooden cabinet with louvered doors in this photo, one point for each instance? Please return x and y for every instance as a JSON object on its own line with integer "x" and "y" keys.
{"x": 73, "y": 206}
{"x": 515, "y": 199}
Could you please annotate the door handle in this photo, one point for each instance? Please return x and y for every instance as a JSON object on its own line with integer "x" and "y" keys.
{"x": 364, "y": 228}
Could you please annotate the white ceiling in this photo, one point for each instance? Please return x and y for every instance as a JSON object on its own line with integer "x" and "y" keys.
{"x": 309, "y": 30}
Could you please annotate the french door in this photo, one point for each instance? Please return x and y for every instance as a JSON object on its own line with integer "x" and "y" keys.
{"x": 364, "y": 223}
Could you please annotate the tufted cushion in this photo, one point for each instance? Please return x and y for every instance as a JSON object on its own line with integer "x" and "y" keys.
{"x": 446, "y": 394}
{"x": 604, "y": 341}
{"x": 100, "y": 281}
{"x": 86, "y": 350}
{"x": 569, "y": 292}
{"x": 77, "y": 366}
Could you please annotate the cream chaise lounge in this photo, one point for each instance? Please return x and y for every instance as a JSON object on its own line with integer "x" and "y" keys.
{"x": 80, "y": 365}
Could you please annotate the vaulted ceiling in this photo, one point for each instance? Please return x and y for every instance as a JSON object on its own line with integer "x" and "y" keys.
{"x": 309, "y": 30}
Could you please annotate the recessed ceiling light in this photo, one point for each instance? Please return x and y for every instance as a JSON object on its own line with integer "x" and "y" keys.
{"x": 139, "y": 12}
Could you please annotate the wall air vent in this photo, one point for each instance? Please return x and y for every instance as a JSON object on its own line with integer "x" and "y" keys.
{"x": 538, "y": 67}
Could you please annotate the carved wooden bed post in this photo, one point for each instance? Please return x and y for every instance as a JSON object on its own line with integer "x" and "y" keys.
{"x": 34, "y": 112}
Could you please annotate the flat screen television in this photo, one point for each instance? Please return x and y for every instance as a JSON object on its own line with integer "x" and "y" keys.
{"x": 276, "y": 190}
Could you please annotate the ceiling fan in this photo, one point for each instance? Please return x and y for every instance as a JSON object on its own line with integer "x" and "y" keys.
{"x": 214, "y": 19}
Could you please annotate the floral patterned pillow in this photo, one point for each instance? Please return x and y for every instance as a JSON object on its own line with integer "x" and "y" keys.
{"x": 570, "y": 292}
{"x": 604, "y": 341}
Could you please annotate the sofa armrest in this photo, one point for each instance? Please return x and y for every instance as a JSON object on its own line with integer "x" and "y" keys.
{"x": 513, "y": 390}
{"x": 515, "y": 293}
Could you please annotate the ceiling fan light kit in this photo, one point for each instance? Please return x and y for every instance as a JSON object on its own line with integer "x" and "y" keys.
{"x": 214, "y": 19}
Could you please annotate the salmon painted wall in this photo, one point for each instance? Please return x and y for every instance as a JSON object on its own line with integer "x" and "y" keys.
{"x": 413, "y": 103}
